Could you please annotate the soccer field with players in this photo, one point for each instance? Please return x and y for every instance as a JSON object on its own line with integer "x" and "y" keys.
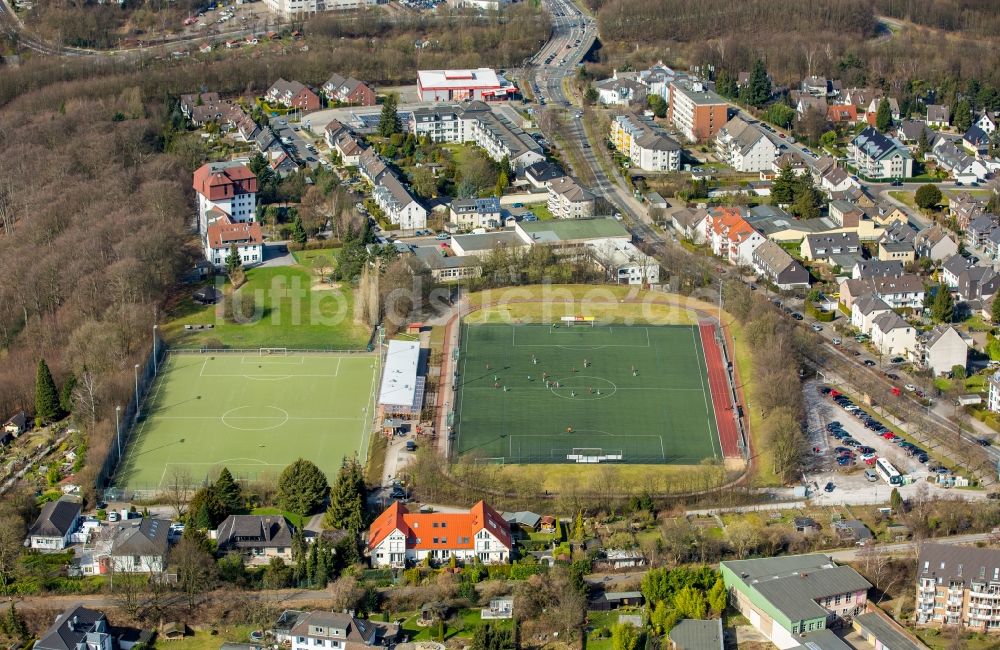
{"x": 253, "y": 413}
{"x": 581, "y": 393}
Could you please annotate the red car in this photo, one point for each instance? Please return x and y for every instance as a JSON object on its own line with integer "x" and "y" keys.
{"x": 889, "y": 435}
{"x": 834, "y": 393}
{"x": 871, "y": 461}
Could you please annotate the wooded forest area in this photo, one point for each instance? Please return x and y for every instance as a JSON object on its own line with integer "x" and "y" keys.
{"x": 841, "y": 39}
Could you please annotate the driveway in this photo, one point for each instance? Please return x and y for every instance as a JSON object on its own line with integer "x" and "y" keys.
{"x": 276, "y": 254}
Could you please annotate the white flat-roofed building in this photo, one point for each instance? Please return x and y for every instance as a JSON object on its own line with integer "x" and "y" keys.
{"x": 402, "y": 389}
{"x": 451, "y": 85}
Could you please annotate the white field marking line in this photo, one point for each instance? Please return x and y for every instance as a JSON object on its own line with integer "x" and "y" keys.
{"x": 543, "y": 388}
{"x": 248, "y": 417}
{"x": 242, "y": 374}
{"x": 702, "y": 363}
{"x": 227, "y": 461}
{"x": 461, "y": 393}
{"x": 370, "y": 402}
{"x": 264, "y": 360}
{"x": 133, "y": 442}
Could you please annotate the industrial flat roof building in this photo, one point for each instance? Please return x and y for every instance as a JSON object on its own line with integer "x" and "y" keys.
{"x": 449, "y": 85}
{"x": 402, "y": 384}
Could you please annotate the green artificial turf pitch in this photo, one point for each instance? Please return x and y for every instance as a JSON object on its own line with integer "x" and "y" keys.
{"x": 252, "y": 413}
{"x": 644, "y": 394}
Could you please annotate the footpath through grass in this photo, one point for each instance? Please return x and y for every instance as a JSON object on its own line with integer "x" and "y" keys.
{"x": 294, "y": 310}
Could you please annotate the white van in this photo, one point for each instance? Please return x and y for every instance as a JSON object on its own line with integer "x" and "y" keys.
{"x": 871, "y": 475}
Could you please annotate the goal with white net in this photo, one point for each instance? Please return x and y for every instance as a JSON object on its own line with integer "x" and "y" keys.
{"x": 264, "y": 352}
{"x": 594, "y": 455}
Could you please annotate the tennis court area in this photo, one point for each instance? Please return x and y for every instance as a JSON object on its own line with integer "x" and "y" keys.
{"x": 254, "y": 413}
{"x": 580, "y": 393}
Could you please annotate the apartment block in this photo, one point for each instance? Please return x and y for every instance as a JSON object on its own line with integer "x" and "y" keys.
{"x": 958, "y": 585}
{"x": 696, "y": 112}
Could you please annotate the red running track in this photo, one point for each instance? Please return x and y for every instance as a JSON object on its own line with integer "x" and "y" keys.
{"x": 725, "y": 416}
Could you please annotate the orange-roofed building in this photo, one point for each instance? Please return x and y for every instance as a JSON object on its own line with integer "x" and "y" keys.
{"x": 842, "y": 113}
{"x": 731, "y": 236}
{"x": 230, "y": 187}
{"x": 222, "y": 233}
{"x": 398, "y": 536}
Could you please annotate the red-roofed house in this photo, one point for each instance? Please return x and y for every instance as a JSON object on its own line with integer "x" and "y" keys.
{"x": 842, "y": 113}
{"x": 732, "y": 237}
{"x": 399, "y": 536}
{"x": 223, "y": 233}
{"x": 229, "y": 187}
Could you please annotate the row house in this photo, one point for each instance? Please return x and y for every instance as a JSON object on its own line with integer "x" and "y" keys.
{"x": 821, "y": 246}
{"x": 745, "y": 146}
{"x": 941, "y": 349}
{"x": 979, "y": 229}
{"x": 690, "y": 224}
{"x": 875, "y": 268}
{"x": 732, "y": 237}
{"x": 964, "y": 208}
{"x": 348, "y": 90}
{"x": 903, "y": 292}
{"x": 865, "y": 309}
{"x": 935, "y": 243}
{"x": 900, "y": 292}
{"x": 952, "y": 269}
{"x": 962, "y": 167}
{"x": 892, "y": 335}
{"x": 978, "y": 283}
{"x": 292, "y": 94}
{"x": 399, "y": 206}
{"x": 774, "y": 264}
{"x": 202, "y": 108}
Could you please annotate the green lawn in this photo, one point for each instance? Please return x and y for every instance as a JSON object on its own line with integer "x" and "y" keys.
{"x": 540, "y": 210}
{"x": 251, "y": 413}
{"x": 294, "y": 310}
{"x": 209, "y": 639}
{"x": 643, "y": 392}
{"x": 293, "y": 517}
{"x": 306, "y": 257}
{"x": 904, "y": 196}
{"x": 465, "y": 626}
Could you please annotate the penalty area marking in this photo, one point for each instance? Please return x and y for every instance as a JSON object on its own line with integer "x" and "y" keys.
{"x": 226, "y": 461}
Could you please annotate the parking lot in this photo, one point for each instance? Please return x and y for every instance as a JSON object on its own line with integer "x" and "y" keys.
{"x": 296, "y": 142}
{"x": 850, "y": 484}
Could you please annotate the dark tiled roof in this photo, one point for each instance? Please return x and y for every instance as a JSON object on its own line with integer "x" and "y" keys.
{"x": 56, "y": 518}
{"x": 255, "y": 531}
{"x": 72, "y": 628}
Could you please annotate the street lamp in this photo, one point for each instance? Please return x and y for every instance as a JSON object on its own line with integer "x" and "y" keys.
{"x": 155, "y": 327}
{"x": 137, "y": 391}
{"x": 118, "y": 431}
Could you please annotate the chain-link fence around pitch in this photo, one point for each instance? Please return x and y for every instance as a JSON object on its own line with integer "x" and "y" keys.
{"x": 608, "y": 393}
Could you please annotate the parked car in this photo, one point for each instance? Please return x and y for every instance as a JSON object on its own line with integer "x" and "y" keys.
{"x": 828, "y": 487}
{"x": 817, "y": 328}
{"x": 869, "y": 363}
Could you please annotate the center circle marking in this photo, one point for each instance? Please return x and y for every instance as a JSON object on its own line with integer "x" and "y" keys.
{"x": 255, "y": 418}
{"x": 580, "y": 384}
